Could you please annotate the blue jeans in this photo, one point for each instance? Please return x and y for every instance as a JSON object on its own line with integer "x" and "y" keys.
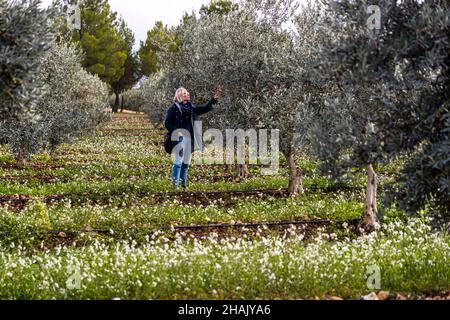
{"x": 183, "y": 156}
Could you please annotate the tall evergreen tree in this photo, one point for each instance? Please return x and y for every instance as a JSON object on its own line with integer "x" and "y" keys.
{"x": 160, "y": 39}
{"x": 220, "y": 7}
{"x": 131, "y": 67}
{"x": 99, "y": 37}
{"x": 107, "y": 44}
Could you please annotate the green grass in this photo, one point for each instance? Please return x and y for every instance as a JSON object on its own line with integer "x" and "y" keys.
{"x": 123, "y": 213}
{"x": 410, "y": 260}
{"x": 108, "y": 181}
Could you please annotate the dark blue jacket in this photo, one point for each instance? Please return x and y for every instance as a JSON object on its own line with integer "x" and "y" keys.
{"x": 174, "y": 119}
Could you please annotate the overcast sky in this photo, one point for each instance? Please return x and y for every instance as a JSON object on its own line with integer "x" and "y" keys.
{"x": 141, "y": 15}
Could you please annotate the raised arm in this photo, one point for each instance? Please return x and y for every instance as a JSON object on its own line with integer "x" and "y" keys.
{"x": 204, "y": 109}
{"x": 199, "y": 110}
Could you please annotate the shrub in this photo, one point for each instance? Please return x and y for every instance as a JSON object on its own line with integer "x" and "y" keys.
{"x": 24, "y": 38}
{"x": 76, "y": 103}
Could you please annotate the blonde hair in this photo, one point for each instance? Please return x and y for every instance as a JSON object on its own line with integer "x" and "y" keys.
{"x": 179, "y": 95}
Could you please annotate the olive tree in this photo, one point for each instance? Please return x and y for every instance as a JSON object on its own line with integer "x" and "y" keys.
{"x": 342, "y": 136}
{"x": 132, "y": 99}
{"x": 253, "y": 58}
{"x": 154, "y": 97}
{"x": 76, "y": 103}
{"x": 24, "y": 37}
{"x": 390, "y": 62}
{"x": 289, "y": 99}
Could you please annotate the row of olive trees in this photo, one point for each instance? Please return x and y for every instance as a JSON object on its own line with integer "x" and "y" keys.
{"x": 392, "y": 99}
{"x": 25, "y": 36}
{"x": 265, "y": 71}
{"x": 240, "y": 51}
{"x": 350, "y": 95}
{"x": 152, "y": 97}
{"x": 67, "y": 100}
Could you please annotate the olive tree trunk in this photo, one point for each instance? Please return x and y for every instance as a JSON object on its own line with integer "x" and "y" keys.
{"x": 295, "y": 177}
{"x": 370, "y": 219}
{"x": 242, "y": 171}
{"x": 21, "y": 159}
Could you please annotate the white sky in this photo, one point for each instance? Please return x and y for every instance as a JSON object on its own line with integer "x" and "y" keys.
{"x": 141, "y": 15}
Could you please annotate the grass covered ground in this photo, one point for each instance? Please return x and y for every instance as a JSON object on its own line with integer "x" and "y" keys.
{"x": 101, "y": 214}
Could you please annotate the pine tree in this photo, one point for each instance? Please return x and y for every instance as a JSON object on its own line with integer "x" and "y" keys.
{"x": 131, "y": 73}
{"x": 160, "y": 40}
{"x": 221, "y": 7}
{"x": 100, "y": 38}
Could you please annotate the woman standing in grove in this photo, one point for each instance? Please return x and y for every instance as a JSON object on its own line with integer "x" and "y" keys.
{"x": 180, "y": 118}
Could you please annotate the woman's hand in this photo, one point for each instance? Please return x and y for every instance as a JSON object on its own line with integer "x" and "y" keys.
{"x": 218, "y": 93}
